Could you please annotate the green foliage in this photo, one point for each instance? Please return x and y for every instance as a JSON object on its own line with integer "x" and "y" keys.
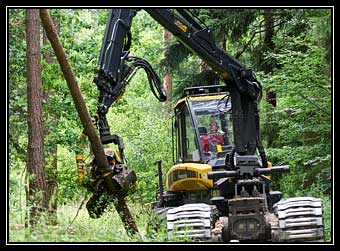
{"x": 228, "y": 26}
{"x": 303, "y": 113}
{"x": 229, "y": 23}
{"x": 17, "y": 84}
{"x": 146, "y": 133}
{"x": 174, "y": 54}
{"x": 308, "y": 169}
{"x": 328, "y": 213}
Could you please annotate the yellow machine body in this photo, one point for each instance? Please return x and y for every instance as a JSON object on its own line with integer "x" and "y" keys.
{"x": 114, "y": 153}
{"x": 189, "y": 177}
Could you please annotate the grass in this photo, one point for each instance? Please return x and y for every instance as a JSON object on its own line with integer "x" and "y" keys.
{"x": 327, "y": 207}
{"x": 107, "y": 229}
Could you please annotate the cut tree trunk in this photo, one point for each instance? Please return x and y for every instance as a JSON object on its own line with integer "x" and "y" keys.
{"x": 85, "y": 118}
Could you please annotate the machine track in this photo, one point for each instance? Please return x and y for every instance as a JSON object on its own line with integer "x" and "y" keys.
{"x": 190, "y": 221}
{"x": 300, "y": 219}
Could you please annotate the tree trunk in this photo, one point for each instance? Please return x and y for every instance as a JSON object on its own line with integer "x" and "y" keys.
{"x": 167, "y": 78}
{"x": 224, "y": 39}
{"x": 74, "y": 89}
{"x": 51, "y": 190}
{"x": 270, "y": 127}
{"x": 49, "y": 56}
{"x": 269, "y": 45}
{"x": 37, "y": 202}
{"x": 84, "y": 116}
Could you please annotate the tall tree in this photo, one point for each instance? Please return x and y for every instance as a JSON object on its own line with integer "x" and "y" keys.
{"x": 269, "y": 45}
{"x": 167, "y": 77}
{"x": 268, "y": 67}
{"x": 37, "y": 202}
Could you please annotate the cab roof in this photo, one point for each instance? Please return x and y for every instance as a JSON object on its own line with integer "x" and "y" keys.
{"x": 203, "y": 93}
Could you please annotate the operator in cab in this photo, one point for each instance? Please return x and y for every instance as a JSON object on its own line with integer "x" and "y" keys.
{"x": 211, "y": 140}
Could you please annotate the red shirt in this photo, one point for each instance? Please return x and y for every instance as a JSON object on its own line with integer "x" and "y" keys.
{"x": 210, "y": 141}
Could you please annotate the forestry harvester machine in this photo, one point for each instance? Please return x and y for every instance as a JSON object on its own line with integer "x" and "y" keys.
{"x": 219, "y": 187}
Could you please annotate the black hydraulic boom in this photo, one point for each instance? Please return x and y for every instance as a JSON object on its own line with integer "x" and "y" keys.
{"x": 116, "y": 67}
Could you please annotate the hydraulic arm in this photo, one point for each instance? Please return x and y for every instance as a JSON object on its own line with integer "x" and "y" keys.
{"x": 116, "y": 67}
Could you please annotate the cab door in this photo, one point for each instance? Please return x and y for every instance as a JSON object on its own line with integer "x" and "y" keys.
{"x": 188, "y": 148}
